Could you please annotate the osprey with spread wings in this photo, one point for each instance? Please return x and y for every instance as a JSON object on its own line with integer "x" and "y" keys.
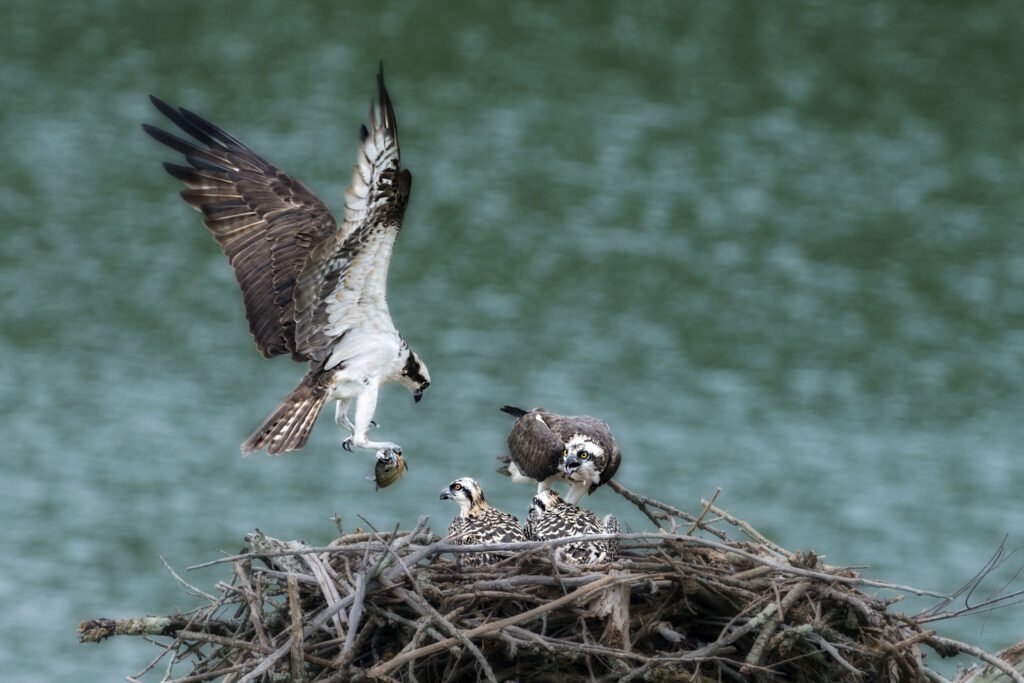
{"x": 310, "y": 288}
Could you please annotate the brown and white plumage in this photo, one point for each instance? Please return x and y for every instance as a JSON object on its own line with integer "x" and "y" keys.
{"x": 478, "y": 522}
{"x": 310, "y": 288}
{"x": 551, "y": 517}
{"x": 545, "y": 447}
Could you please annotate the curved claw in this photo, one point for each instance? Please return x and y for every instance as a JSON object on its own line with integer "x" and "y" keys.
{"x": 347, "y": 444}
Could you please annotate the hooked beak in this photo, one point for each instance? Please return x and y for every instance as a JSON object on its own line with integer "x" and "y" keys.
{"x": 446, "y": 494}
{"x": 572, "y": 463}
{"x": 417, "y": 395}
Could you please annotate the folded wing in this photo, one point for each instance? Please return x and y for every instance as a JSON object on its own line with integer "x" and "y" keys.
{"x": 534, "y": 447}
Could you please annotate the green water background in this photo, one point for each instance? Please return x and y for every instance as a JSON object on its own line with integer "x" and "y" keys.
{"x": 778, "y": 247}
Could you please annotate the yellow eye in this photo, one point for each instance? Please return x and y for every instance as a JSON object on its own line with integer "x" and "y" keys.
{"x": 565, "y": 453}
{"x": 584, "y": 455}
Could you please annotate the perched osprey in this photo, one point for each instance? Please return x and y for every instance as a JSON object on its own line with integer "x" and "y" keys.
{"x": 544, "y": 447}
{"x": 478, "y": 522}
{"x": 310, "y": 288}
{"x": 551, "y": 517}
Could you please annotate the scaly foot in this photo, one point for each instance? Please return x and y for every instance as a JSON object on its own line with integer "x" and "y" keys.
{"x": 385, "y": 446}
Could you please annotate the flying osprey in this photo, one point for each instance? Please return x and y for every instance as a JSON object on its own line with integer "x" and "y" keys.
{"x": 478, "y": 522}
{"x": 544, "y": 447}
{"x": 551, "y": 517}
{"x": 310, "y": 288}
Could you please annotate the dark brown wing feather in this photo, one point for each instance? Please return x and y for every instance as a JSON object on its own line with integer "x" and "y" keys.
{"x": 611, "y": 467}
{"x": 534, "y": 447}
{"x": 265, "y": 221}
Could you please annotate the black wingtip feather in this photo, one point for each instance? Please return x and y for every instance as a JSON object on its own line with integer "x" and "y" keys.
{"x": 203, "y": 163}
{"x": 164, "y": 108}
{"x": 180, "y": 118}
{"x": 179, "y": 145}
{"x": 196, "y": 126}
{"x": 208, "y": 132}
{"x": 387, "y": 111}
{"x": 182, "y": 173}
{"x": 513, "y": 411}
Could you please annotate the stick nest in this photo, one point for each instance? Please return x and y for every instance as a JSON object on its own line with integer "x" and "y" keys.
{"x": 685, "y": 603}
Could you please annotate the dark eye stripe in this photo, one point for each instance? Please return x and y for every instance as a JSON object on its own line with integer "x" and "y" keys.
{"x": 412, "y": 369}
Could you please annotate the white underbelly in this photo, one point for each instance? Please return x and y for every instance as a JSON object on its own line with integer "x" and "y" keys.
{"x": 363, "y": 358}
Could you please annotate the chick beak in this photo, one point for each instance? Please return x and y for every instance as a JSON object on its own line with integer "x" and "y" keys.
{"x": 446, "y": 494}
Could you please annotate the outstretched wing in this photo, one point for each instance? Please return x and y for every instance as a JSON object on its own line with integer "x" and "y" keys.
{"x": 533, "y": 446}
{"x": 343, "y": 284}
{"x": 265, "y": 221}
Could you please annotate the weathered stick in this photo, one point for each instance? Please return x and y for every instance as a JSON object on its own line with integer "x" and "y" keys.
{"x": 707, "y": 506}
{"x": 423, "y": 607}
{"x": 96, "y": 630}
{"x": 977, "y": 652}
{"x": 397, "y": 661}
{"x": 255, "y": 610}
{"x": 295, "y": 607}
{"x": 641, "y": 501}
{"x": 749, "y": 531}
{"x": 769, "y": 619}
{"x": 355, "y": 614}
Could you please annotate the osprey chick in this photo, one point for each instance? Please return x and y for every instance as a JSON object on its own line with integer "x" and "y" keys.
{"x": 551, "y": 517}
{"x": 311, "y": 289}
{"x": 478, "y": 522}
{"x": 544, "y": 447}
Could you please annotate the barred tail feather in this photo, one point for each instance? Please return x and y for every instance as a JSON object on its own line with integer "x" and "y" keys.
{"x": 288, "y": 427}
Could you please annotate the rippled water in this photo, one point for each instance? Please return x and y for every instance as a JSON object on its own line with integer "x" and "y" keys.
{"x": 778, "y": 249}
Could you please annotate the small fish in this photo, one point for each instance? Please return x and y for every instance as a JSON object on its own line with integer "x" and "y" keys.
{"x": 390, "y": 466}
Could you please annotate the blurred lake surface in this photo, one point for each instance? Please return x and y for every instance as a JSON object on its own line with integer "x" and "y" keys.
{"x": 777, "y": 247}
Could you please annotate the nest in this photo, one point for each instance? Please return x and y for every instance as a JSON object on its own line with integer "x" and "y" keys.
{"x": 684, "y": 603}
